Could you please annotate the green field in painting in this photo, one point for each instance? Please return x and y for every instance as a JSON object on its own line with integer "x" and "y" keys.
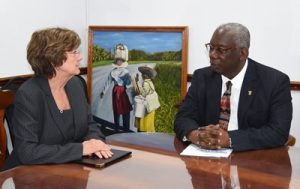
{"x": 167, "y": 84}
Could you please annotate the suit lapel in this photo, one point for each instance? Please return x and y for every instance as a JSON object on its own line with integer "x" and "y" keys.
{"x": 56, "y": 115}
{"x": 213, "y": 96}
{"x": 248, "y": 92}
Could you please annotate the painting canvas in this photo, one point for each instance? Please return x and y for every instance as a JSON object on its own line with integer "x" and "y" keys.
{"x": 127, "y": 65}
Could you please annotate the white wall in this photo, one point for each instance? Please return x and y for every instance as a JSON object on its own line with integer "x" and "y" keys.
{"x": 19, "y": 19}
{"x": 273, "y": 24}
{"x": 274, "y": 27}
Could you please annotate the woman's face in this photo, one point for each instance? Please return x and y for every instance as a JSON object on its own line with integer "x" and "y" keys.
{"x": 71, "y": 65}
{"x": 119, "y": 61}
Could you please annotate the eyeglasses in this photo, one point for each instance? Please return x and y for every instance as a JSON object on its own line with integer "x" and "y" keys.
{"x": 77, "y": 51}
{"x": 218, "y": 49}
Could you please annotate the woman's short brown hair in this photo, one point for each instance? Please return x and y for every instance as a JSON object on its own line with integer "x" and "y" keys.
{"x": 47, "y": 49}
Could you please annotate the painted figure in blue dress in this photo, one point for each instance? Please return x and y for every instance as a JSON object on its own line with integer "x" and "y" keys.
{"x": 119, "y": 80}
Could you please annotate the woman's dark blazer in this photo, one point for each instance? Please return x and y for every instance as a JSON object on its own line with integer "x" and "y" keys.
{"x": 39, "y": 137}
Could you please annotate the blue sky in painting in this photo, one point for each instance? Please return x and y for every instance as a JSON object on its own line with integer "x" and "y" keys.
{"x": 149, "y": 42}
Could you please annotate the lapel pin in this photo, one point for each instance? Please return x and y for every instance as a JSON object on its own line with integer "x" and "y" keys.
{"x": 249, "y": 93}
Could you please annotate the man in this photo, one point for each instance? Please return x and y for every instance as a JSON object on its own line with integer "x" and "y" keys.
{"x": 259, "y": 108}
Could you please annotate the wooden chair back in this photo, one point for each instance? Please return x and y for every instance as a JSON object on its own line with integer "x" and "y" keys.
{"x": 291, "y": 141}
{"x": 6, "y": 99}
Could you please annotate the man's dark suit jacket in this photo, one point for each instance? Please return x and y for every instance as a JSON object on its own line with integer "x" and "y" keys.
{"x": 264, "y": 110}
{"x": 37, "y": 124}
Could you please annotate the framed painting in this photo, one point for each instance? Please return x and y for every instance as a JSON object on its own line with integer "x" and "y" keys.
{"x": 128, "y": 63}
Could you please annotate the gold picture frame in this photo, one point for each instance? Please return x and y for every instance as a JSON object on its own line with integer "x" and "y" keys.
{"x": 163, "y": 45}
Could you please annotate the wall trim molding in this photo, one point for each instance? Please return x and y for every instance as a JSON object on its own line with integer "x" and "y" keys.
{"x": 83, "y": 71}
{"x": 295, "y": 85}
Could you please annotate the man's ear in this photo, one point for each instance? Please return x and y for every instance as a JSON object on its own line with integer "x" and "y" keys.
{"x": 244, "y": 54}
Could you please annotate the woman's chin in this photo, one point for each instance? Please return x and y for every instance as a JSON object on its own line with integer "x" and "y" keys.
{"x": 77, "y": 71}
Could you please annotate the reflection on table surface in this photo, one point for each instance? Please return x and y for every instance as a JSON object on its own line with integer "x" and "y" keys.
{"x": 156, "y": 163}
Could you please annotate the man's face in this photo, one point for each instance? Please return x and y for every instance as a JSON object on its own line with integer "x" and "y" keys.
{"x": 226, "y": 57}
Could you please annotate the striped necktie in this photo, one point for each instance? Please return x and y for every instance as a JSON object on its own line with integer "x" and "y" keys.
{"x": 225, "y": 107}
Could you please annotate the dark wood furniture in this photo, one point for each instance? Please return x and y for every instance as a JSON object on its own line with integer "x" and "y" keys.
{"x": 156, "y": 163}
{"x": 6, "y": 99}
{"x": 295, "y": 85}
{"x": 291, "y": 141}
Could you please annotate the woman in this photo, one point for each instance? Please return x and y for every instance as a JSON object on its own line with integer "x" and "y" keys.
{"x": 120, "y": 79}
{"x": 51, "y": 119}
{"x": 146, "y": 124}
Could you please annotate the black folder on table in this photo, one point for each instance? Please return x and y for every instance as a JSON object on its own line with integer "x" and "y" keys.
{"x": 99, "y": 163}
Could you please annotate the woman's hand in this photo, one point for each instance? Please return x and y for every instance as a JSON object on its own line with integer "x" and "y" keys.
{"x": 101, "y": 95}
{"x": 104, "y": 154}
{"x": 96, "y": 147}
{"x": 137, "y": 78}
